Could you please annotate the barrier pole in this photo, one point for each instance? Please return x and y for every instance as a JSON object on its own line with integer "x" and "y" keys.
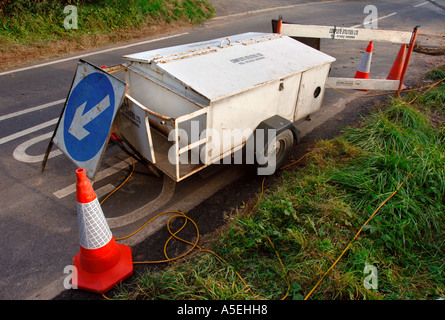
{"x": 279, "y": 24}
{"x": 408, "y": 56}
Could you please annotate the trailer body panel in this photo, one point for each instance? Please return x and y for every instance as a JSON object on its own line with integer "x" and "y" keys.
{"x": 203, "y": 101}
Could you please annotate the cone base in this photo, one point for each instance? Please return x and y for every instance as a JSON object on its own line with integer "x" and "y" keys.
{"x": 102, "y": 282}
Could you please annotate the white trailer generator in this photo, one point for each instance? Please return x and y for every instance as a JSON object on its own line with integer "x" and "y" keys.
{"x": 186, "y": 107}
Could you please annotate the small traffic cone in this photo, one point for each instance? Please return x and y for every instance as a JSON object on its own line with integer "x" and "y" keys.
{"x": 101, "y": 263}
{"x": 365, "y": 65}
{"x": 396, "y": 69}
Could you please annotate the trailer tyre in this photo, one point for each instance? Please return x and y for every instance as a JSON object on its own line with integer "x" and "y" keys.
{"x": 283, "y": 147}
{"x": 284, "y": 144}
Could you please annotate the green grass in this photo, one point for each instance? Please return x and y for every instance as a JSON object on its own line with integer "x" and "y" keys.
{"x": 30, "y": 22}
{"x": 314, "y": 210}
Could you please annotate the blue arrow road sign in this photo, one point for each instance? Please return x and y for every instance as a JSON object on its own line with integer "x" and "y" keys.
{"x": 88, "y": 116}
{"x": 86, "y": 122}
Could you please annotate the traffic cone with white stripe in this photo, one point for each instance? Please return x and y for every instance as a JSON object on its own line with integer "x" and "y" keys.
{"x": 365, "y": 65}
{"x": 396, "y": 70}
{"x": 101, "y": 263}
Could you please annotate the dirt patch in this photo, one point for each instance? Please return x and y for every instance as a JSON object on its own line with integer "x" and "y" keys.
{"x": 430, "y": 51}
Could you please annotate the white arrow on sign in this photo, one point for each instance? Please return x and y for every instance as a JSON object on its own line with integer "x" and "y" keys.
{"x": 80, "y": 120}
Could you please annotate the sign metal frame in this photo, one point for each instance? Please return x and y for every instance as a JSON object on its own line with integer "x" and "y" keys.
{"x": 84, "y": 114}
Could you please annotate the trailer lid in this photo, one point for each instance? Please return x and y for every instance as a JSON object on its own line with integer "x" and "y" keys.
{"x": 226, "y": 66}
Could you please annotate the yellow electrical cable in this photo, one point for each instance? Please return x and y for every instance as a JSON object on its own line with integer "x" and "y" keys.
{"x": 125, "y": 181}
{"x": 355, "y": 237}
{"x": 424, "y": 87}
{"x": 236, "y": 272}
{"x": 296, "y": 161}
{"x": 195, "y": 245}
{"x": 429, "y": 88}
{"x": 123, "y": 68}
{"x": 375, "y": 212}
{"x": 284, "y": 268}
{"x": 174, "y": 235}
{"x": 261, "y": 194}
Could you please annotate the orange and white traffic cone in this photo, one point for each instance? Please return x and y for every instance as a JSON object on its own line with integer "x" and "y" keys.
{"x": 396, "y": 70}
{"x": 101, "y": 263}
{"x": 365, "y": 65}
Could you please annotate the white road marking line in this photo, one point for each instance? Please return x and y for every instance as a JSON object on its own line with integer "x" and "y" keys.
{"x": 421, "y": 4}
{"x": 381, "y": 18}
{"x": 102, "y": 191}
{"x": 100, "y": 175}
{"x": 28, "y": 131}
{"x": 90, "y": 54}
{"x": 268, "y": 9}
{"x": 20, "y": 152}
{"x": 168, "y": 189}
{"x": 43, "y": 106}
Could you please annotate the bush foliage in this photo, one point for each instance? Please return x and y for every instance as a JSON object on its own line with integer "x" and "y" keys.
{"x": 30, "y": 21}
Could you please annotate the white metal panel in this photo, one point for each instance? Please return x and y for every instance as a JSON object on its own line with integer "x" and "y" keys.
{"x": 371, "y": 84}
{"x": 150, "y": 56}
{"x": 343, "y": 33}
{"x": 311, "y": 80}
{"x": 233, "y": 119}
{"x": 222, "y": 68}
{"x": 161, "y": 77}
{"x": 158, "y": 97}
{"x": 288, "y": 96}
{"x": 133, "y": 124}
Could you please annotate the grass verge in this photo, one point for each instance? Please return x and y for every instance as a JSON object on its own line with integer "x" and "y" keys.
{"x": 31, "y": 30}
{"x": 300, "y": 225}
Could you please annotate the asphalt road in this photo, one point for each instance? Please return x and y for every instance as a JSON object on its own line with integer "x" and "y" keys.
{"x": 38, "y": 218}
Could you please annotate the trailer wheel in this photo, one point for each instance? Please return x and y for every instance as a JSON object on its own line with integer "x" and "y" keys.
{"x": 283, "y": 147}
